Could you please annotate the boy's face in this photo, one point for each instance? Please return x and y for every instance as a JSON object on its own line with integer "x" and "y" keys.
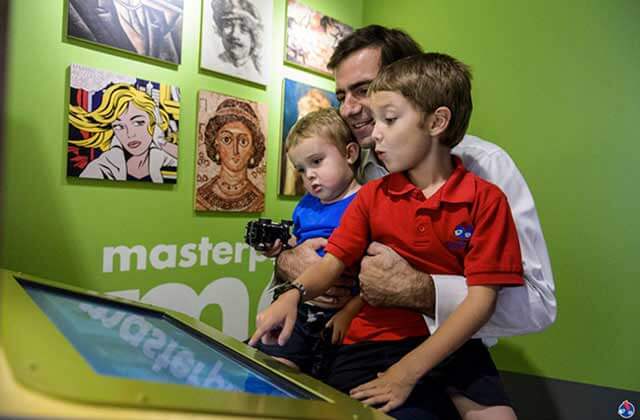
{"x": 353, "y": 77}
{"x": 325, "y": 171}
{"x": 401, "y": 142}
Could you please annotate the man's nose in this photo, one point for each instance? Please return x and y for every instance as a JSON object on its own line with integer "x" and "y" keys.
{"x": 350, "y": 106}
{"x": 236, "y": 146}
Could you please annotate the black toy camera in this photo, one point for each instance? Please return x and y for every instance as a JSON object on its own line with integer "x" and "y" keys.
{"x": 262, "y": 233}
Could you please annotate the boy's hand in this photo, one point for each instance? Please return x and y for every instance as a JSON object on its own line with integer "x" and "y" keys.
{"x": 391, "y": 389}
{"x": 340, "y": 323}
{"x": 280, "y": 314}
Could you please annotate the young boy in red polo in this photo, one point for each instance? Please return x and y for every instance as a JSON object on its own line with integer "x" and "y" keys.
{"x": 439, "y": 217}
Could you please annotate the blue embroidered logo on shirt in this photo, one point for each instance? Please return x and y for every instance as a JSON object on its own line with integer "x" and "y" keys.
{"x": 462, "y": 234}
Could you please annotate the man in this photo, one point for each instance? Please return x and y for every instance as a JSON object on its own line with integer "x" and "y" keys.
{"x": 385, "y": 278}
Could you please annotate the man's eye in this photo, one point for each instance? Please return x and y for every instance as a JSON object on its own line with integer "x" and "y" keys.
{"x": 361, "y": 92}
{"x": 244, "y": 141}
{"x": 226, "y": 139}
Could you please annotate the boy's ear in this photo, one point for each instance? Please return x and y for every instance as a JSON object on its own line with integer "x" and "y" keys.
{"x": 353, "y": 152}
{"x": 438, "y": 121}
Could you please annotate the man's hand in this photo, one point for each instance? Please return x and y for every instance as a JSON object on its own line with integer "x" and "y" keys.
{"x": 292, "y": 262}
{"x": 386, "y": 279}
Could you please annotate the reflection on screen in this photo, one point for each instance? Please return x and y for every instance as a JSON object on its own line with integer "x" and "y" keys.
{"x": 118, "y": 340}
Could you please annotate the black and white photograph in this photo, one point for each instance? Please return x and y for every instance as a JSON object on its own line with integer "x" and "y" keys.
{"x": 236, "y": 38}
{"x": 151, "y": 28}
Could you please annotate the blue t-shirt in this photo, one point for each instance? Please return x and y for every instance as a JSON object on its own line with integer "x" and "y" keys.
{"x": 312, "y": 219}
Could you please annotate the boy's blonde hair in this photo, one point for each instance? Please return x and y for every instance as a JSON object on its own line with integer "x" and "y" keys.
{"x": 324, "y": 122}
{"x": 430, "y": 81}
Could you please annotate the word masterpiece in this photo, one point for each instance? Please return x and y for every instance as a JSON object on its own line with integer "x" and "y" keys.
{"x": 164, "y": 256}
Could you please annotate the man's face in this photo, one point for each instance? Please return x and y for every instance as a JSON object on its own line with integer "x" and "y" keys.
{"x": 353, "y": 76}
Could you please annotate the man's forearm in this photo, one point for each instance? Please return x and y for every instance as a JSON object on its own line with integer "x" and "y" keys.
{"x": 423, "y": 294}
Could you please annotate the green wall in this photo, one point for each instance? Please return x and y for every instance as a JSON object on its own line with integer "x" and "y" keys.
{"x": 56, "y": 227}
{"x": 555, "y": 84}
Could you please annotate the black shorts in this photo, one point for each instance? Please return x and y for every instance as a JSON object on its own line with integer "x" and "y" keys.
{"x": 308, "y": 347}
{"x": 469, "y": 371}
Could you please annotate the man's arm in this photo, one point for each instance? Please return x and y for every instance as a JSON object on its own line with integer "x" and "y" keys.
{"x": 386, "y": 279}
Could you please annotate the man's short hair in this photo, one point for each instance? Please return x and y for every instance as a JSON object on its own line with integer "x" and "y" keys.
{"x": 430, "y": 81}
{"x": 394, "y": 44}
{"x": 325, "y": 123}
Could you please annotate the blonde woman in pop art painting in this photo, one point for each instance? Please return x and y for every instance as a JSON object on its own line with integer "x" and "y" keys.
{"x": 133, "y": 136}
{"x": 231, "y": 155}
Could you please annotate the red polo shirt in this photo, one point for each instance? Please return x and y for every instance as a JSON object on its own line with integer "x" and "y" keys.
{"x": 464, "y": 228}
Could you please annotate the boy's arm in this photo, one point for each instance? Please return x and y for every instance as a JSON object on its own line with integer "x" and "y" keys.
{"x": 394, "y": 386}
{"x": 282, "y": 313}
{"x": 291, "y": 263}
{"x": 342, "y": 319}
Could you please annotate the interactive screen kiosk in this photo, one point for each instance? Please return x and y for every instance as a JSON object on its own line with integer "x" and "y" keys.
{"x": 66, "y": 352}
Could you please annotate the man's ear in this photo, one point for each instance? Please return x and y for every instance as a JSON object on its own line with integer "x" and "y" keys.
{"x": 353, "y": 152}
{"x": 438, "y": 121}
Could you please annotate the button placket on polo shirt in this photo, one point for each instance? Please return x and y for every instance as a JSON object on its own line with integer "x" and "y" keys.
{"x": 423, "y": 230}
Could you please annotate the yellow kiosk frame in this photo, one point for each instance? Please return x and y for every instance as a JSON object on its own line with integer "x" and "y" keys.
{"x": 42, "y": 374}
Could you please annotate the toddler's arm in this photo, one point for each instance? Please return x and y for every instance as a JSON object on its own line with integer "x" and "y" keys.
{"x": 342, "y": 319}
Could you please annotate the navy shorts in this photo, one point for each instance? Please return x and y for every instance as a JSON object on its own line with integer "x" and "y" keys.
{"x": 470, "y": 371}
{"x": 309, "y": 346}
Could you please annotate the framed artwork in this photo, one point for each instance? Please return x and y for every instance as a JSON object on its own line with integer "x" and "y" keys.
{"x": 299, "y": 100}
{"x": 312, "y": 37}
{"x": 230, "y": 160}
{"x": 151, "y": 28}
{"x": 236, "y": 38}
{"x": 122, "y": 128}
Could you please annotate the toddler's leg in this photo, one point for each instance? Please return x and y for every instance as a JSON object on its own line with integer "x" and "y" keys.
{"x": 471, "y": 410}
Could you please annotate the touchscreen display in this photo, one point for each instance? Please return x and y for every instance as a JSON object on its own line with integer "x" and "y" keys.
{"x": 121, "y": 340}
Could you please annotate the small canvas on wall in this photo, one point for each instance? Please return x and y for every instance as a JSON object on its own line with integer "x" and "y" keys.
{"x": 236, "y": 38}
{"x": 230, "y": 160}
{"x": 151, "y": 28}
{"x": 312, "y": 37}
{"x": 122, "y": 128}
{"x": 299, "y": 100}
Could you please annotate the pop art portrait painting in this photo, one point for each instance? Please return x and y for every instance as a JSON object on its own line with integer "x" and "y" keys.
{"x": 312, "y": 37}
{"x": 230, "y": 161}
{"x": 236, "y": 38}
{"x": 122, "y": 128}
{"x": 299, "y": 100}
{"x": 150, "y": 28}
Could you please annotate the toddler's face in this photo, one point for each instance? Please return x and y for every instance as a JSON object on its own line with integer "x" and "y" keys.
{"x": 325, "y": 170}
{"x": 401, "y": 142}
